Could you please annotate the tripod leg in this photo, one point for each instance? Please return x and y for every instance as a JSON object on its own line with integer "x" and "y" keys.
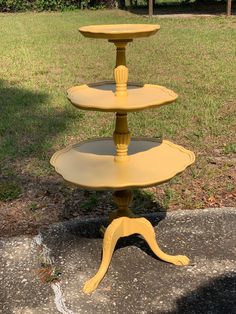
{"x": 111, "y": 236}
{"x": 144, "y": 228}
{"x": 122, "y": 227}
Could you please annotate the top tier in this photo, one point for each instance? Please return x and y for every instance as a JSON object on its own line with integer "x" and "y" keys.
{"x": 121, "y": 96}
{"x": 119, "y": 31}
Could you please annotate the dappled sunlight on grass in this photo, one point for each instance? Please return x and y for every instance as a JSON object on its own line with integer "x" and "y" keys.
{"x": 42, "y": 55}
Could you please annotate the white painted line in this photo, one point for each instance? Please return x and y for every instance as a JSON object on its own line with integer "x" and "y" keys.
{"x": 56, "y": 285}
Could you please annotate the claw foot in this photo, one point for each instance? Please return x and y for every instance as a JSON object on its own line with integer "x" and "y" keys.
{"x": 91, "y": 285}
{"x": 180, "y": 260}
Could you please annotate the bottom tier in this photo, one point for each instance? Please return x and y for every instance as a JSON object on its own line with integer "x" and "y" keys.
{"x": 91, "y": 164}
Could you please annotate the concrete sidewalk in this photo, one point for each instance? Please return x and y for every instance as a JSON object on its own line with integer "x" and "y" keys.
{"x": 136, "y": 281}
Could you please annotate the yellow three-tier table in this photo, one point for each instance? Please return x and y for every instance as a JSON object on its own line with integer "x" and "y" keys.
{"x": 121, "y": 163}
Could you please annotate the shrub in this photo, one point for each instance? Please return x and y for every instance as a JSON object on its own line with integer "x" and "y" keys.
{"x": 38, "y": 5}
{"x": 53, "y": 5}
{"x": 14, "y": 5}
{"x": 99, "y": 4}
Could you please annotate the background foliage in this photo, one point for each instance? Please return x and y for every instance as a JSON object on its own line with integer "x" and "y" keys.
{"x": 61, "y": 5}
{"x": 39, "y": 5}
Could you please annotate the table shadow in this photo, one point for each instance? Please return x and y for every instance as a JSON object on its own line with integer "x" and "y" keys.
{"x": 216, "y": 296}
{"x": 90, "y": 228}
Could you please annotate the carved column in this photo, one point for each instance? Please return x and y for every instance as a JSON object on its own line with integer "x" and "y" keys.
{"x": 121, "y": 137}
{"x": 123, "y": 200}
{"x": 121, "y": 71}
{"x": 121, "y": 134}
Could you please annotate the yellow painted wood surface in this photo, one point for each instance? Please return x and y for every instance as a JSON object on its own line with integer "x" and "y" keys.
{"x": 91, "y": 165}
{"x": 121, "y": 137}
{"x": 101, "y": 97}
{"x": 122, "y": 162}
{"x": 123, "y": 227}
{"x": 121, "y": 71}
{"x": 119, "y": 31}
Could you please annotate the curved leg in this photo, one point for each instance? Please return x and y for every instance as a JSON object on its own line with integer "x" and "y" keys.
{"x": 111, "y": 236}
{"x": 144, "y": 228}
{"x": 122, "y": 227}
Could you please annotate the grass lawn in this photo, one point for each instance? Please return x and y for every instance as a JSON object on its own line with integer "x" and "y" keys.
{"x": 42, "y": 55}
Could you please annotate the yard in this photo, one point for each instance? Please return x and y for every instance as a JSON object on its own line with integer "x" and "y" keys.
{"x": 43, "y": 54}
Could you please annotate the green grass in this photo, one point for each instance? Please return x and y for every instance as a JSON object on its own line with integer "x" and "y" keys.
{"x": 230, "y": 148}
{"x": 42, "y": 55}
{"x": 9, "y": 190}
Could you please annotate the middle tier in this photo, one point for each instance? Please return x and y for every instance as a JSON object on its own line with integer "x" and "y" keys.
{"x": 101, "y": 97}
{"x": 90, "y": 164}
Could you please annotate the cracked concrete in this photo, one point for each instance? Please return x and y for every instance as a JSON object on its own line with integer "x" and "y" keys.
{"x": 136, "y": 281}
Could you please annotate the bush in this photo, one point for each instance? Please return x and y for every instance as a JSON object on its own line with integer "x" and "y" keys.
{"x": 54, "y": 5}
{"x": 13, "y": 5}
{"x": 38, "y": 5}
{"x": 99, "y": 4}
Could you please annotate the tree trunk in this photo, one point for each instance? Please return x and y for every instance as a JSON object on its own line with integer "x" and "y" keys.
{"x": 229, "y": 7}
{"x": 150, "y": 8}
